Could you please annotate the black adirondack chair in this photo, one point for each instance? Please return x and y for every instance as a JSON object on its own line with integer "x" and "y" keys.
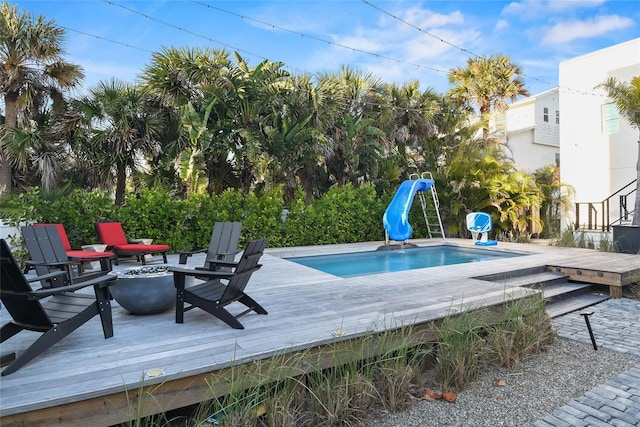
{"x": 55, "y": 312}
{"x": 82, "y": 256}
{"x": 223, "y": 246}
{"x": 48, "y": 254}
{"x": 214, "y": 294}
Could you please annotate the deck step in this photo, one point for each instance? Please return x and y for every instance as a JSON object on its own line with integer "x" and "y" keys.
{"x": 564, "y": 297}
{"x": 561, "y": 295}
{"x": 542, "y": 278}
{"x": 562, "y": 289}
{"x": 567, "y": 305}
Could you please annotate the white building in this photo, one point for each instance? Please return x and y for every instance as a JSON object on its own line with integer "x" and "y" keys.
{"x": 532, "y": 130}
{"x": 598, "y": 149}
{"x": 577, "y": 127}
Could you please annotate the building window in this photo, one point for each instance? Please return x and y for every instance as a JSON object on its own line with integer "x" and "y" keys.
{"x": 558, "y": 159}
{"x": 557, "y": 117}
{"x": 545, "y": 114}
{"x": 610, "y": 119}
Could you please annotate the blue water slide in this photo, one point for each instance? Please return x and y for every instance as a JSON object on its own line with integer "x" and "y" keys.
{"x": 396, "y": 217}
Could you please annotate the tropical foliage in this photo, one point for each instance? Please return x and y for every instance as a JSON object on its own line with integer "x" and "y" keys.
{"x": 202, "y": 122}
{"x": 487, "y": 83}
{"x": 33, "y": 79}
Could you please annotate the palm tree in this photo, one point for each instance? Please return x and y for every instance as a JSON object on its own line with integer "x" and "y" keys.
{"x": 202, "y": 77}
{"x": 191, "y": 160}
{"x": 410, "y": 117}
{"x": 556, "y": 198}
{"x": 454, "y": 127}
{"x": 355, "y": 150}
{"x": 481, "y": 178}
{"x": 237, "y": 96}
{"x": 179, "y": 75}
{"x": 293, "y": 140}
{"x": 121, "y": 124}
{"x": 626, "y": 97}
{"x": 487, "y": 83}
{"x": 38, "y": 159}
{"x": 32, "y": 70}
{"x": 253, "y": 95}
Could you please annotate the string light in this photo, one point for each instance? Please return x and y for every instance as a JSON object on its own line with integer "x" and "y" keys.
{"x": 462, "y": 49}
{"x": 365, "y": 103}
{"x": 398, "y": 61}
{"x": 105, "y": 39}
{"x": 329, "y": 42}
{"x": 193, "y": 33}
{"x": 421, "y": 30}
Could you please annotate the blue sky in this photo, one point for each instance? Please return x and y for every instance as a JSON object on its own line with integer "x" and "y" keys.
{"x": 398, "y": 41}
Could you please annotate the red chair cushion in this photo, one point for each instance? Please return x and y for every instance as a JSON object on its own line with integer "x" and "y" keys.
{"x": 111, "y": 233}
{"x": 133, "y": 247}
{"x": 89, "y": 255}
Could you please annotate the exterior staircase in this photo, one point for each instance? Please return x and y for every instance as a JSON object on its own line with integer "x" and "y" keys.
{"x": 600, "y": 216}
{"x": 562, "y": 295}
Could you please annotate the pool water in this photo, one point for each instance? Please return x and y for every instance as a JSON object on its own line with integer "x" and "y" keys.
{"x": 375, "y": 262}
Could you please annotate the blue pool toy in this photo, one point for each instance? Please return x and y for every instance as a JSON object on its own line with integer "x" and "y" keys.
{"x": 479, "y": 224}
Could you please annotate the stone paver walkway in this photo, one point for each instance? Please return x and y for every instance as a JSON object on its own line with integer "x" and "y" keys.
{"x": 616, "y": 326}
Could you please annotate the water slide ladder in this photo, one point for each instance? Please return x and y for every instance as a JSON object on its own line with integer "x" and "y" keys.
{"x": 430, "y": 211}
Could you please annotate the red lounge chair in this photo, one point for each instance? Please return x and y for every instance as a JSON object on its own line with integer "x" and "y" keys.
{"x": 76, "y": 254}
{"x": 110, "y": 233}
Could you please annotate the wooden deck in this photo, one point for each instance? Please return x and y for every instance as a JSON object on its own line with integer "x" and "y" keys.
{"x": 86, "y": 380}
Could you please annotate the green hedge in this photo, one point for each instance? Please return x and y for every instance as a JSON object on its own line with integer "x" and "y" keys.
{"x": 343, "y": 215}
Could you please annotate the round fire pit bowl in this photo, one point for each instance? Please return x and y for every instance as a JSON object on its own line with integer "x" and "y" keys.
{"x": 144, "y": 290}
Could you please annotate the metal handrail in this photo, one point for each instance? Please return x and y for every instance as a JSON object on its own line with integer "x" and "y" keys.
{"x": 592, "y": 211}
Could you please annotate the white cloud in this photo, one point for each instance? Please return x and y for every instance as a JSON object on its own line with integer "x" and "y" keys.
{"x": 422, "y": 48}
{"x": 501, "y": 24}
{"x": 555, "y": 6}
{"x": 426, "y": 19}
{"x": 419, "y": 49}
{"x": 532, "y": 9}
{"x": 365, "y": 42}
{"x": 567, "y": 32}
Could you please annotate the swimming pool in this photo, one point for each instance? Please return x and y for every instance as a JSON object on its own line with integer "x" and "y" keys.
{"x": 375, "y": 262}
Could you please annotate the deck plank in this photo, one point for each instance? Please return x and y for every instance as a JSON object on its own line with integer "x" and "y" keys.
{"x": 306, "y": 308}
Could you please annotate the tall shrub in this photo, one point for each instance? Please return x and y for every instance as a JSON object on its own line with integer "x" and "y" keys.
{"x": 79, "y": 212}
{"x": 154, "y": 214}
{"x": 344, "y": 214}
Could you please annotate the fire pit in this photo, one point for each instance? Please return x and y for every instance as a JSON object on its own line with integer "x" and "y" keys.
{"x": 144, "y": 290}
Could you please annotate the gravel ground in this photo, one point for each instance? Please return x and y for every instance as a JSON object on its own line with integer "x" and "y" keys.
{"x": 538, "y": 386}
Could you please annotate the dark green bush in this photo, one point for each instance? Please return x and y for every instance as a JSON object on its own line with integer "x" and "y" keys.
{"x": 343, "y": 215}
{"x": 154, "y": 214}
{"x": 79, "y": 213}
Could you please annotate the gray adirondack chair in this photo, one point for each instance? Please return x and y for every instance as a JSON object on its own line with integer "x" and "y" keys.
{"x": 55, "y": 312}
{"x": 222, "y": 287}
{"x": 46, "y": 248}
{"x": 223, "y": 245}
